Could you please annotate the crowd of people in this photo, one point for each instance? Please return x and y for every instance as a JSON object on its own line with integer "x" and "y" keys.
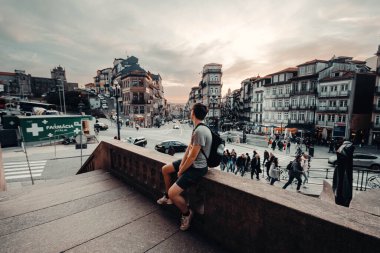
{"x": 245, "y": 163}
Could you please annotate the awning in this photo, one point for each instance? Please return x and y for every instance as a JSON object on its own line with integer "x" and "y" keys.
{"x": 304, "y": 127}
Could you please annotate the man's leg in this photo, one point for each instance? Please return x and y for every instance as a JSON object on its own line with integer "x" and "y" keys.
{"x": 298, "y": 177}
{"x": 175, "y": 195}
{"x": 167, "y": 170}
{"x": 291, "y": 178}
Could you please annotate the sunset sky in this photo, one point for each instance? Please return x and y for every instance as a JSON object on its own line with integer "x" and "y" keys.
{"x": 176, "y": 38}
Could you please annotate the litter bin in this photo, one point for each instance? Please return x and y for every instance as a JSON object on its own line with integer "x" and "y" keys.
{"x": 311, "y": 151}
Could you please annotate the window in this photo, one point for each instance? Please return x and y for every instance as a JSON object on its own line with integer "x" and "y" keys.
{"x": 303, "y": 86}
{"x": 274, "y": 90}
{"x": 280, "y": 91}
{"x": 273, "y": 103}
{"x": 343, "y": 103}
{"x": 294, "y": 103}
{"x": 142, "y": 109}
{"x": 279, "y": 116}
{"x": 333, "y": 118}
{"x": 312, "y": 101}
{"x": 344, "y": 118}
{"x": 135, "y": 109}
{"x": 294, "y": 116}
{"x": 378, "y": 103}
{"x": 286, "y": 115}
{"x": 279, "y": 103}
{"x": 287, "y": 89}
{"x": 377, "y": 120}
{"x": 344, "y": 87}
{"x": 286, "y": 103}
{"x": 302, "y": 116}
{"x": 319, "y": 117}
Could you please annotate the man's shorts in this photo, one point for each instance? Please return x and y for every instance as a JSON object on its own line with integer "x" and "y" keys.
{"x": 190, "y": 176}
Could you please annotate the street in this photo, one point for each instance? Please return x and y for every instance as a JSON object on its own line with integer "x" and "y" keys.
{"x": 56, "y": 161}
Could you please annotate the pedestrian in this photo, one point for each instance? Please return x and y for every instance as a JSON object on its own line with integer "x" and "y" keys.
{"x": 274, "y": 171}
{"x": 295, "y": 172}
{"x": 268, "y": 164}
{"x": 280, "y": 145}
{"x": 255, "y": 166}
{"x": 305, "y": 163}
{"x": 229, "y": 161}
{"x": 247, "y": 162}
{"x": 273, "y": 145}
{"x": 266, "y": 156}
{"x": 191, "y": 168}
{"x": 240, "y": 164}
{"x": 224, "y": 161}
{"x": 331, "y": 146}
{"x": 288, "y": 147}
{"x": 233, "y": 160}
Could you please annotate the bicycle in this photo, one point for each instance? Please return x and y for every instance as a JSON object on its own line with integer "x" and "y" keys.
{"x": 374, "y": 182}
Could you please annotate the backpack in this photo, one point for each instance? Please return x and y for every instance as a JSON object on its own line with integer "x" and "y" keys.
{"x": 216, "y": 150}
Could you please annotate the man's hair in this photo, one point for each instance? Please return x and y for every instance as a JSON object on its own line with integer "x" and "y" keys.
{"x": 200, "y": 111}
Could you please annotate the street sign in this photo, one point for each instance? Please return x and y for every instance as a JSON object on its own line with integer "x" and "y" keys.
{"x": 45, "y": 127}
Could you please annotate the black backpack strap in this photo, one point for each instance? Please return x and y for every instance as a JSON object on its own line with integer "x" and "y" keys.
{"x": 201, "y": 146}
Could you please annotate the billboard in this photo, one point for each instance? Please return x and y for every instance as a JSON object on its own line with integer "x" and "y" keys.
{"x": 46, "y": 127}
{"x": 339, "y": 130}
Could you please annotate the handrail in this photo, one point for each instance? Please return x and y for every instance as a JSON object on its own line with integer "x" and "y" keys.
{"x": 364, "y": 176}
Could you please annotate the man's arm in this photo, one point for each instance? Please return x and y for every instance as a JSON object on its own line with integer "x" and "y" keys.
{"x": 193, "y": 153}
{"x": 185, "y": 155}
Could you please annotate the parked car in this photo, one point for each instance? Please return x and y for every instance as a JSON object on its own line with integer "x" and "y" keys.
{"x": 139, "y": 141}
{"x": 101, "y": 126}
{"x": 164, "y": 146}
{"x": 176, "y": 127}
{"x": 369, "y": 161}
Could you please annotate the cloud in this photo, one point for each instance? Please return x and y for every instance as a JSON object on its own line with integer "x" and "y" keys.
{"x": 176, "y": 38}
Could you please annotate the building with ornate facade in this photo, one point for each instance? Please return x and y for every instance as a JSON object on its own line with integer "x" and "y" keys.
{"x": 277, "y": 100}
{"x": 142, "y": 95}
{"x": 335, "y": 104}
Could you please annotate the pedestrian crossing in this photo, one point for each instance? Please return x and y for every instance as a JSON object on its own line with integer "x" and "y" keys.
{"x": 18, "y": 170}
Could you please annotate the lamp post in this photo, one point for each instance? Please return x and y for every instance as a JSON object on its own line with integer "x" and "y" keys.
{"x": 117, "y": 95}
{"x": 213, "y": 101}
{"x": 63, "y": 94}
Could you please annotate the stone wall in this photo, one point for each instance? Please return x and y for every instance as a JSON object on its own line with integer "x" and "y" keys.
{"x": 244, "y": 215}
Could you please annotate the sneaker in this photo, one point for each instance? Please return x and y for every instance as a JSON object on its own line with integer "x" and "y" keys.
{"x": 164, "y": 201}
{"x": 185, "y": 221}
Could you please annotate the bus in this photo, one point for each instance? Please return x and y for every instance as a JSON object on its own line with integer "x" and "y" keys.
{"x": 27, "y": 106}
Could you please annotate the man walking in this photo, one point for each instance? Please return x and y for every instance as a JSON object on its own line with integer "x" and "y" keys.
{"x": 295, "y": 172}
{"x": 191, "y": 168}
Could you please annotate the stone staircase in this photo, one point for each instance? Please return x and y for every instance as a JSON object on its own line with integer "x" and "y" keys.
{"x": 90, "y": 212}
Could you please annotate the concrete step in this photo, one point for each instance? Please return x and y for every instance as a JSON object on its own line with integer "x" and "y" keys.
{"x": 90, "y": 212}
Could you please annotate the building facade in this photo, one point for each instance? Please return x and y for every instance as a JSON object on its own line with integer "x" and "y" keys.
{"x": 257, "y": 94}
{"x": 335, "y": 101}
{"x": 375, "y": 121}
{"x": 277, "y": 102}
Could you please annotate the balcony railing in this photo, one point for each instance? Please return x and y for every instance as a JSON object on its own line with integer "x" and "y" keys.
{"x": 138, "y": 101}
{"x": 342, "y": 93}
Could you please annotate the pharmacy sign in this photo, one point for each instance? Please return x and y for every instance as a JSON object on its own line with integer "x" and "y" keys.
{"x": 47, "y": 127}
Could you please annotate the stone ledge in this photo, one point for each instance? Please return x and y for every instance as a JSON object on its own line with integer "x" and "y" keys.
{"x": 243, "y": 215}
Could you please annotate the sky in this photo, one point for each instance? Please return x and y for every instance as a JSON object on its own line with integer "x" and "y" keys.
{"x": 177, "y": 38}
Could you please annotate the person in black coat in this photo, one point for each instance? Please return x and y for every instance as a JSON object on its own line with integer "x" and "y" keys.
{"x": 343, "y": 174}
{"x": 255, "y": 166}
{"x": 295, "y": 172}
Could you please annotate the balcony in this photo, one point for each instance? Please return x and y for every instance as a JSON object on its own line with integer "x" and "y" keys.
{"x": 138, "y": 102}
{"x": 342, "y": 93}
{"x": 342, "y": 108}
{"x": 302, "y": 92}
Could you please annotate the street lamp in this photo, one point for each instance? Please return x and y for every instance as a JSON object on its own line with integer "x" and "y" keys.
{"x": 213, "y": 101}
{"x": 63, "y": 94}
{"x": 116, "y": 94}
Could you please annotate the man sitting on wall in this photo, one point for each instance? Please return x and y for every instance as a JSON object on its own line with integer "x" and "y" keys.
{"x": 191, "y": 168}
